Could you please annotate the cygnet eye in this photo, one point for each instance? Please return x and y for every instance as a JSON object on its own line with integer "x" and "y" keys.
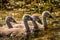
{"x": 50, "y": 16}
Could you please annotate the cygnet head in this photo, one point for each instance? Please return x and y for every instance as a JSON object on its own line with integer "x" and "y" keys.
{"x": 46, "y": 14}
{"x": 36, "y": 18}
{"x": 10, "y": 19}
{"x": 27, "y": 17}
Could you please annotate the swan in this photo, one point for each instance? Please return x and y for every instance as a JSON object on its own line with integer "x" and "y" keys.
{"x": 36, "y": 18}
{"x": 38, "y": 21}
{"x": 4, "y": 29}
{"x": 3, "y": 32}
{"x": 10, "y": 30}
{"x": 44, "y": 15}
{"x": 11, "y": 23}
{"x": 43, "y": 23}
{"x": 15, "y": 24}
{"x": 35, "y": 27}
{"x": 8, "y": 20}
{"x": 19, "y": 31}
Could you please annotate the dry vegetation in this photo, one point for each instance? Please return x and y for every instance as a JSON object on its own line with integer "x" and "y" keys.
{"x": 18, "y": 8}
